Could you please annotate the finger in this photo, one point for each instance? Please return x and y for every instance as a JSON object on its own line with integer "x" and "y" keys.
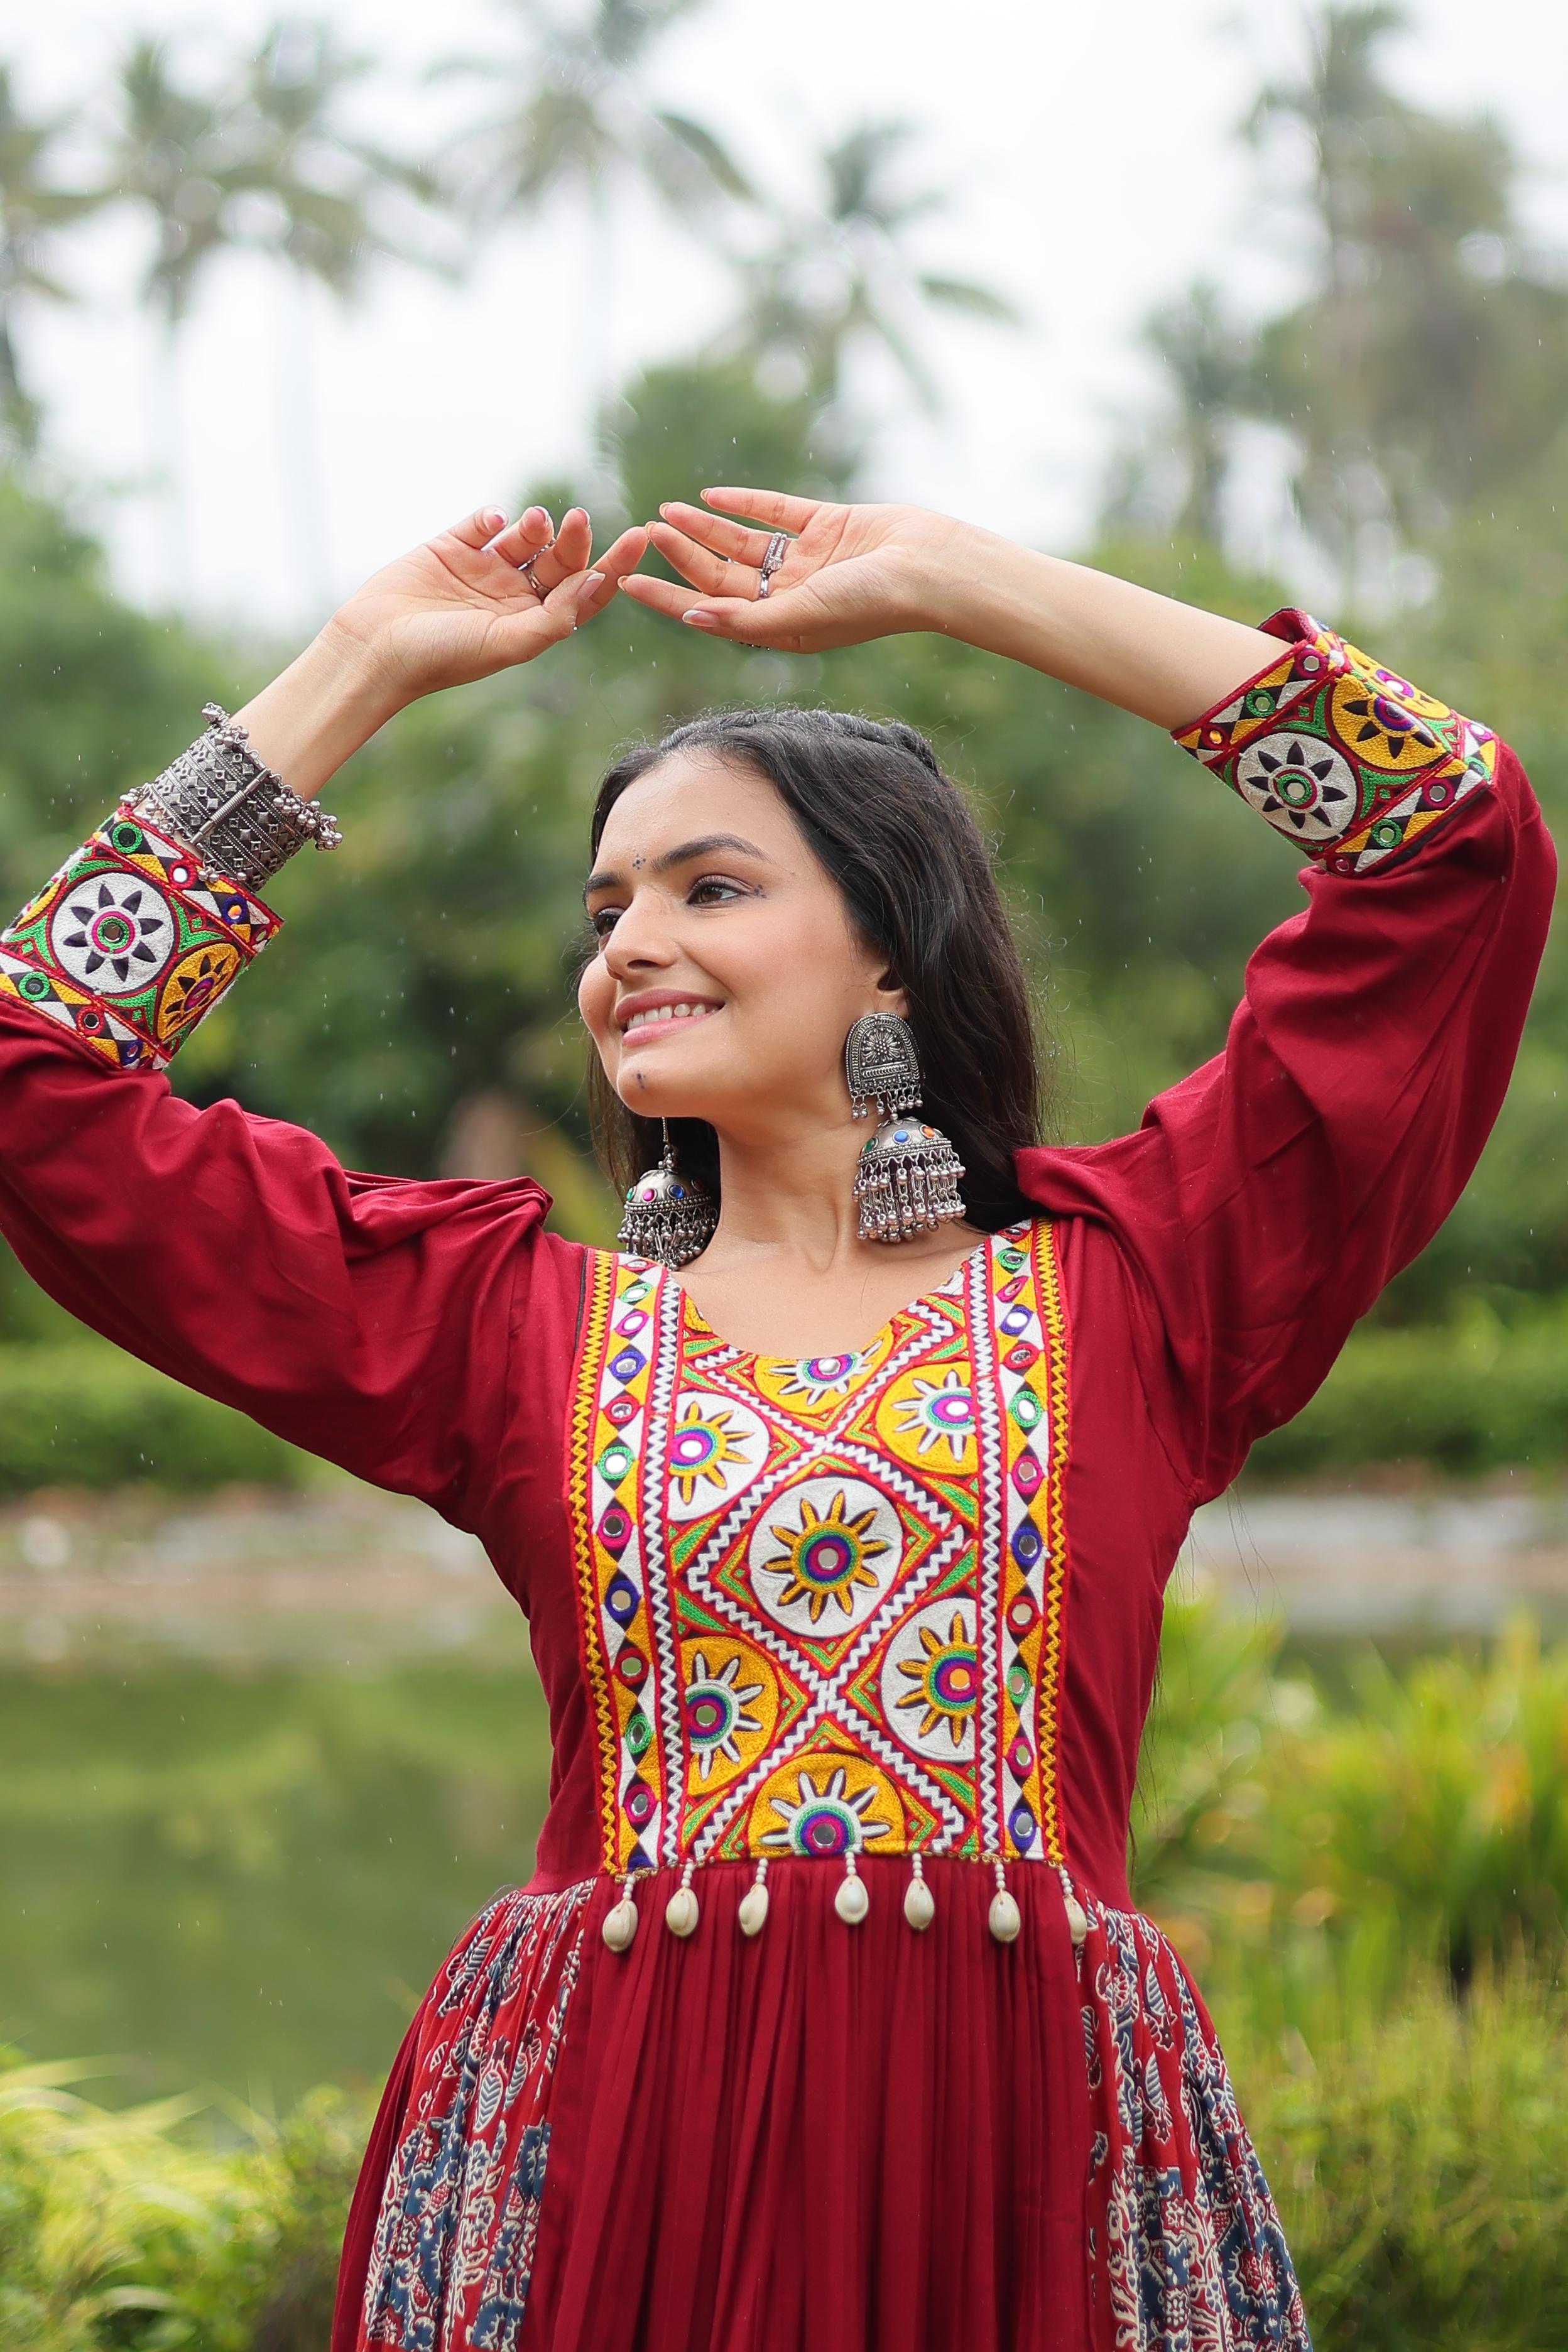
{"x": 713, "y": 575}
{"x": 743, "y": 622}
{"x": 573, "y": 546}
{"x": 522, "y": 539}
{"x": 777, "y": 508}
{"x": 476, "y": 529}
{"x": 609, "y": 569}
{"x": 725, "y": 537}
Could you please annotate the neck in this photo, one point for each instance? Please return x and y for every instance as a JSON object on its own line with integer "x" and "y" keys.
{"x": 791, "y": 1198}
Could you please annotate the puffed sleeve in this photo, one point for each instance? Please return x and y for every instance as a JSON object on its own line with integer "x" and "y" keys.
{"x": 365, "y": 1318}
{"x": 1265, "y": 1202}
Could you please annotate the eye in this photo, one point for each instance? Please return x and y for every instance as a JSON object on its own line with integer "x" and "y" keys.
{"x": 713, "y": 889}
{"x": 603, "y": 922}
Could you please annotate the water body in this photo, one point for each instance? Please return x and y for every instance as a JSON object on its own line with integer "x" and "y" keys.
{"x": 262, "y": 1760}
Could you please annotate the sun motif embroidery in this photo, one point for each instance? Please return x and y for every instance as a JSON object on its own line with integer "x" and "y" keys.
{"x": 814, "y": 1380}
{"x": 941, "y": 1411}
{"x": 717, "y": 1708}
{"x": 946, "y": 1681}
{"x": 703, "y": 1449}
{"x": 825, "y": 1558}
{"x": 833, "y": 1820}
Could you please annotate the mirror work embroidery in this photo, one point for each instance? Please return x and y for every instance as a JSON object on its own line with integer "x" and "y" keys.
{"x": 132, "y": 944}
{"x": 821, "y": 1601}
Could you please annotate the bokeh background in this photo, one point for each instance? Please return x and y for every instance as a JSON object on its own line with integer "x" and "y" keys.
{"x": 1261, "y": 305}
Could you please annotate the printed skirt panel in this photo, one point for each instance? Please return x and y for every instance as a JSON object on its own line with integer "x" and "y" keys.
{"x": 1186, "y": 2250}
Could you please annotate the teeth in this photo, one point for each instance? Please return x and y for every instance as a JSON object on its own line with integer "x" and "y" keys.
{"x": 666, "y": 1012}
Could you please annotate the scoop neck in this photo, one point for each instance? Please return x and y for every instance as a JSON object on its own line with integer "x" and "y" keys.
{"x": 852, "y": 1357}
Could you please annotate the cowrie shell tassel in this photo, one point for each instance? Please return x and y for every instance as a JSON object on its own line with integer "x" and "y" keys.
{"x": 754, "y": 1911}
{"x": 919, "y": 1905}
{"x": 621, "y": 1922}
{"x": 680, "y": 1912}
{"x": 1005, "y": 1919}
{"x": 1077, "y": 1918}
{"x": 851, "y": 1902}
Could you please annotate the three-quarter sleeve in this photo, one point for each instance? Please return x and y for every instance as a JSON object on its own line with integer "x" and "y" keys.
{"x": 1266, "y": 1200}
{"x": 365, "y": 1318}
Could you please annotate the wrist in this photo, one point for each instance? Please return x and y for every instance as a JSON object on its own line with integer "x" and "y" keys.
{"x": 954, "y": 592}
{"x": 321, "y": 709}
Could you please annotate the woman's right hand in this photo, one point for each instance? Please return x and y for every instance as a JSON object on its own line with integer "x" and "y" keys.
{"x": 463, "y": 606}
{"x": 458, "y": 608}
{"x": 849, "y": 572}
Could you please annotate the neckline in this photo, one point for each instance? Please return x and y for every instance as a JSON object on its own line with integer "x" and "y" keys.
{"x": 851, "y": 1358}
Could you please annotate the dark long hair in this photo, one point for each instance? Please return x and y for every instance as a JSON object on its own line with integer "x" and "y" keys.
{"x": 897, "y": 836}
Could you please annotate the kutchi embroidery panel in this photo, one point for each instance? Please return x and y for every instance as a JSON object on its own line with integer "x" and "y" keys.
{"x": 131, "y": 944}
{"x": 1344, "y": 757}
{"x": 822, "y": 1601}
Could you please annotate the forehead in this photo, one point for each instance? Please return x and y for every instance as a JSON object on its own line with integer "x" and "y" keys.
{"x": 691, "y": 794}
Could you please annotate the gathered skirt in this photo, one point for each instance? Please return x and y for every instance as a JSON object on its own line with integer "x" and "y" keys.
{"x": 820, "y": 2139}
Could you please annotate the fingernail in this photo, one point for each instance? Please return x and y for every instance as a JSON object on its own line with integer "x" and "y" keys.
{"x": 494, "y": 520}
{"x": 699, "y": 620}
{"x": 594, "y": 580}
{"x": 664, "y": 508}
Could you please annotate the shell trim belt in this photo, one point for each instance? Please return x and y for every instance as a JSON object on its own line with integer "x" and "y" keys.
{"x": 851, "y": 1901}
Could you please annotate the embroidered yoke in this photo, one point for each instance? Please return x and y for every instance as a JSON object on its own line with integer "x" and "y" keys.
{"x": 822, "y": 1601}
{"x": 826, "y": 2022}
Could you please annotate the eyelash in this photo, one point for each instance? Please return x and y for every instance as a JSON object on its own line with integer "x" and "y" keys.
{"x": 603, "y": 920}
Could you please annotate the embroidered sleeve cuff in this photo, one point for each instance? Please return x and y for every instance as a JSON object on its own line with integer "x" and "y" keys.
{"x": 1350, "y": 760}
{"x": 131, "y": 943}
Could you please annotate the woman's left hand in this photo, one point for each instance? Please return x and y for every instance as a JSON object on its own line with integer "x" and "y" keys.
{"x": 848, "y": 573}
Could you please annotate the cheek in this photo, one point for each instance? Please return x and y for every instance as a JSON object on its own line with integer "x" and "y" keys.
{"x": 595, "y": 1002}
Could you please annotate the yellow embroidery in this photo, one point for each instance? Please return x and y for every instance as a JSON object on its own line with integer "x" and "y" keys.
{"x": 822, "y": 1603}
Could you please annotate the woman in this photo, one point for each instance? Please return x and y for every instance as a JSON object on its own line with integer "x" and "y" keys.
{"x": 825, "y": 2020}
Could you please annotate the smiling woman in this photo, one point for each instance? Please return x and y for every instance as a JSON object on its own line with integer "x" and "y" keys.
{"x": 861, "y": 879}
{"x": 825, "y": 2020}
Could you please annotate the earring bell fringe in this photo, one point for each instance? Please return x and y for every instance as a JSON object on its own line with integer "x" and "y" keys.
{"x": 906, "y": 1181}
{"x": 666, "y": 1216}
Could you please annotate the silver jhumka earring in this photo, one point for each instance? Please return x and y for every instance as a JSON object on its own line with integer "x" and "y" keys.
{"x": 667, "y": 1217}
{"x": 906, "y": 1179}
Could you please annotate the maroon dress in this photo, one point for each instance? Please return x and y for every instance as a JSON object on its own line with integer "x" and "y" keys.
{"x": 853, "y": 1652}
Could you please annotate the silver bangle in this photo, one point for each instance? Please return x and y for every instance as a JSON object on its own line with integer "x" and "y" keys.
{"x": 234, "y": 815}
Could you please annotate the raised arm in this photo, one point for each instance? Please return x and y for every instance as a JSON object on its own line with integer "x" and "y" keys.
{"x": 363, "y": 1318}
{"x": 1266, "y": 1200}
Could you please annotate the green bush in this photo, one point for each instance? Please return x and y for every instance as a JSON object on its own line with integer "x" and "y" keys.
{"x": 1469, "y": 1396}
{"x": 82, "y": 1414}
{"x": 1427, "y": 1821}
{"x": 1420, "y": 2164}
{"x": 123, "y": 2230}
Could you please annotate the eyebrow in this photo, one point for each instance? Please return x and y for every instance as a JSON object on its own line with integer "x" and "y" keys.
{"x": 703, "y": 846}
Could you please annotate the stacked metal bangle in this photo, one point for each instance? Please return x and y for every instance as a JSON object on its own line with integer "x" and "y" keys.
{"x": 236, "y": 816}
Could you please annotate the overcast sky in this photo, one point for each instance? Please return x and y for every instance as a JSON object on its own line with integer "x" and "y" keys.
{"x": 1094, "y": 162}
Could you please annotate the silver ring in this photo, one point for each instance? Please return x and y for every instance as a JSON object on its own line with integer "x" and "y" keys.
{"x": 528, "y": 572}
{"x": 773, "y": 555}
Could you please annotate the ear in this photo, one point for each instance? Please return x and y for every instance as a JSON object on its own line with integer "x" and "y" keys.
{"x": 891, "y": 997}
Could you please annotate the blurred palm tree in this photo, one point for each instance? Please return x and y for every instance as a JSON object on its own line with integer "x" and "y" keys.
{"x": 35, "y": 207}
{"x": 1208, "y": 361}
{"x": 842, "y": 277}
{"x": 577, "y": 121}
{"x": 261, "y": 161}
{"x": 171, "y": 146}
{"x": 1426, "y": 368}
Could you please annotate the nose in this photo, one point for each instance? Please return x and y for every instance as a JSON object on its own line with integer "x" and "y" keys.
{"x": 638, "y": 944}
